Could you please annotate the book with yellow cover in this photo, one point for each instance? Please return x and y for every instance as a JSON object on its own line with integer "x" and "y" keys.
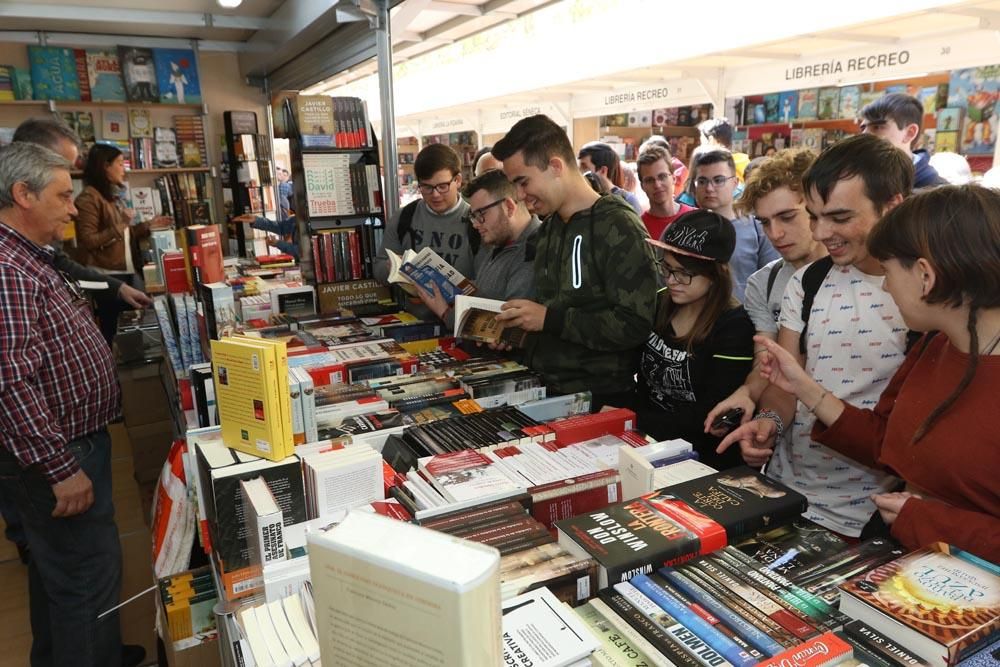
{"x": 252, "y": 395}
{"x": 284, "y": 393}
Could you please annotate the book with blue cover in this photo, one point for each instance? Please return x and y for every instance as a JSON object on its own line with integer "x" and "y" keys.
{"x": 177, "y": 76}
{"x": 788, "y": 105}
{"x": 104, "y": 73}
{"x": 53, "y": 73}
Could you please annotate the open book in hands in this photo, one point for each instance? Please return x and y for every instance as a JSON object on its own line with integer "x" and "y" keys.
{"x": 425, "y": 268}
{"x": 476, "y": 319}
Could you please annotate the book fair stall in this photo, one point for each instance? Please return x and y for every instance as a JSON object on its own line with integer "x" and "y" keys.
{"x": 328, "y": 478}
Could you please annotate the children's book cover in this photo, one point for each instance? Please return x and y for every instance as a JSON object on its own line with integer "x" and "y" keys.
{"x": 949, "y": 119}
{"x": 177, "y": 76}
{"x": 976, "y": 90}
{"x": 829, "y": 103}
{"x": 139, "y": 74}
{"x": 771, "y": 108}
{"x": 788, "y": 105}
{"x": 850, "y": 98}
{"x": 807, "y": 103}
{"x": 53, "y": 73}
{"x": 104, "y": 73}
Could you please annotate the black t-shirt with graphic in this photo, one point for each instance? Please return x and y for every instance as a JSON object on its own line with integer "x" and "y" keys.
{"x": 677, "y": 388}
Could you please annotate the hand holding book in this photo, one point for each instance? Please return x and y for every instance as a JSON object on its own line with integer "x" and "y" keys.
{"x": 522, "y": 313}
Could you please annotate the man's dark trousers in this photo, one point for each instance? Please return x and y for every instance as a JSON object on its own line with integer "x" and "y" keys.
{"x": 75, "y": 569}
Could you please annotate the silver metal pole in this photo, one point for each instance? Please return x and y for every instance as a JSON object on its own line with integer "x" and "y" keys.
{"x": 383, "y": 46}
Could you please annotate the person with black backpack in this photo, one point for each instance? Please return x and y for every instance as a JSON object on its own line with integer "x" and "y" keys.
{"x": 437, "y": 220}
{"x": 774, "y": 196}
{"x": 841, "y": 327}
{"x": 933, "y": 423}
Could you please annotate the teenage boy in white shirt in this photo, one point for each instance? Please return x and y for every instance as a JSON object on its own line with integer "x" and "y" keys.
{"x": 852, "y": 340}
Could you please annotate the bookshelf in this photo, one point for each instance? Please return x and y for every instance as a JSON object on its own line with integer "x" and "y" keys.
{"x": 79, "y": 104}
{"x": 465, "y": 144}
{"x": 247, "y": 181}
{"x": 337, "y": 183}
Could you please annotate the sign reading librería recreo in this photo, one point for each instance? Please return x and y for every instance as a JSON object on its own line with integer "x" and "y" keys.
{"x": 867, "y": 63}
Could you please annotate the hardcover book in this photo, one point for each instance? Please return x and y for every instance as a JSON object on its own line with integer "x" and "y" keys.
{"x": 104, "y": 76}
{"x": 177, "y": 76}
{"x": 788, "y": 106}
{"x": 824, "y": 651}
{"x": 772, "y": 108}
{"x": 138, "y": 74}
{"x": 114, "y": 126}
{"x": 53, "y": 73}
{"x": 850, "y": 98}
{"x": 808, "y": 104}
{"x": 829, "y": 103}
{"x": 941, "y": 606}
{"x": 316, "y": 120}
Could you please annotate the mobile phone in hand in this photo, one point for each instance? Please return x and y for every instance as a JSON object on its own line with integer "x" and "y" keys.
{"x": 728, "y": 420}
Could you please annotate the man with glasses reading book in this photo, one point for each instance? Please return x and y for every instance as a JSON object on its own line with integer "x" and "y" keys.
{"x": 437, "y": 219}
{"x": 505, "y": 269}
{"x": 58, "y": 391}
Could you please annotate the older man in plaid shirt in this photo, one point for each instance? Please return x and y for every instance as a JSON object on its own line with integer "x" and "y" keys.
{"x": 58, "y": 390}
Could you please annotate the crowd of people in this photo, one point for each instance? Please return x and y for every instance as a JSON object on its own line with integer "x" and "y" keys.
{"x": 785, "y": 319}
{"x": 833, "y": 317}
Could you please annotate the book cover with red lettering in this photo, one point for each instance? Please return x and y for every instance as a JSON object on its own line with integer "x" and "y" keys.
{"x": 824, "y": 651}
{"x": 679, "y": 522}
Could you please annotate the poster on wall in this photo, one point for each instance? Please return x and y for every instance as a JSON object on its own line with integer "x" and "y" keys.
{"x": 976, "y": 90}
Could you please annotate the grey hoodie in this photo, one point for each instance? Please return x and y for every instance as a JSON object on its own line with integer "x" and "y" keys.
{"x": 446, "y": 234}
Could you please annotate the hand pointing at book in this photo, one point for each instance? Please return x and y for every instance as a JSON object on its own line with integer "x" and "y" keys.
{"x": 523, "y": 313}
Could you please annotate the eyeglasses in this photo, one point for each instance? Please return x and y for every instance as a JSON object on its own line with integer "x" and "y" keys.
{"x": 442, "y": 188}
{"x": 74, "y": 288}
{"x": 717, "y": 181}
{"x": 478, "y": 216}
{"x": 679, "y": 276}
{"x": 662, "y": 179}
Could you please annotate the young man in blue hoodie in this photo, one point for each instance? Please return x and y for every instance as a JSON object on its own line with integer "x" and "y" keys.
{"x": 595, "y": 276}
{"x": 898, "y": 119}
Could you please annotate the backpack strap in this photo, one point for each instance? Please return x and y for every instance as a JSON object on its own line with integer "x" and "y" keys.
{"x": 406, "y": 226}
{"x": 773, "y": 276}
{"x": 812, "y": 280}
{"x": 406, "y": 222}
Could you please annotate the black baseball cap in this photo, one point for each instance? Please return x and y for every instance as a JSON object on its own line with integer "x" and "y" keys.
{"x": 701, "y": 234}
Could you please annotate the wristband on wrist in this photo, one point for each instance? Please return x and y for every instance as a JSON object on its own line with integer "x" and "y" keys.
{"x": 813, "y": 408}
{"x": 776, "y": 418}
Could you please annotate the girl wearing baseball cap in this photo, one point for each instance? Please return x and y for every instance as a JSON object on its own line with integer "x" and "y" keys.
{"x": 701, "y": 346}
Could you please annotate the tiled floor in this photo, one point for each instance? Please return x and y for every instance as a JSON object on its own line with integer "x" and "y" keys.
{"x": 137, "y": 618}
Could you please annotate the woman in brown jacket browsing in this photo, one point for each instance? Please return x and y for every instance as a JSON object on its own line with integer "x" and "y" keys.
{"x": 104, "y": 231}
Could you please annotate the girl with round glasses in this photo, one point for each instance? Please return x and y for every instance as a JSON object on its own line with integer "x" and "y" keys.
{"x": 701, "y": 346}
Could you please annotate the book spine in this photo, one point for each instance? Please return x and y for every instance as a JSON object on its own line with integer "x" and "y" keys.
{"x": 577, "y": 499}
{"x": 629, "y": 619}
{"x": 752, "y": 634}
{"x": 882, "y": 645}
{"x": 802, "y": 599}
{"x": 355, "y": 246}
{"x": 785, "y": 615}
{"x": 676, "y": 608}
{"x": 667, "y": 635}
{"x": 740, "y": 606}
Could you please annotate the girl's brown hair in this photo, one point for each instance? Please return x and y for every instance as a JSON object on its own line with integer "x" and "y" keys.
{"x": 956, "y": 229}
{"x": 718, "y": 300}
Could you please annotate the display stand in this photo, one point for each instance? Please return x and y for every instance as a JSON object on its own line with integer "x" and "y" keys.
{"x": 247, "y": 181}
{"x": 341, "y": 206}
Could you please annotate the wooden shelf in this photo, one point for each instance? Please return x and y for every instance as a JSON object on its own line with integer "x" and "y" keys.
{"x": 80, "y": 103}
{"x": 798, "y": 124}
{"x": 330, "y": 150}
{"x": 177, "y": 170}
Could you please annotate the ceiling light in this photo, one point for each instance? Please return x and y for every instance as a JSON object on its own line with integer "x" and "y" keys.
{"x": 229, "y": 4}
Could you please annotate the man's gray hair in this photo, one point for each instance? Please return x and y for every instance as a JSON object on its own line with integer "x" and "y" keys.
{"x": 46, "y": 131}
{"x": 31, "y": 164}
